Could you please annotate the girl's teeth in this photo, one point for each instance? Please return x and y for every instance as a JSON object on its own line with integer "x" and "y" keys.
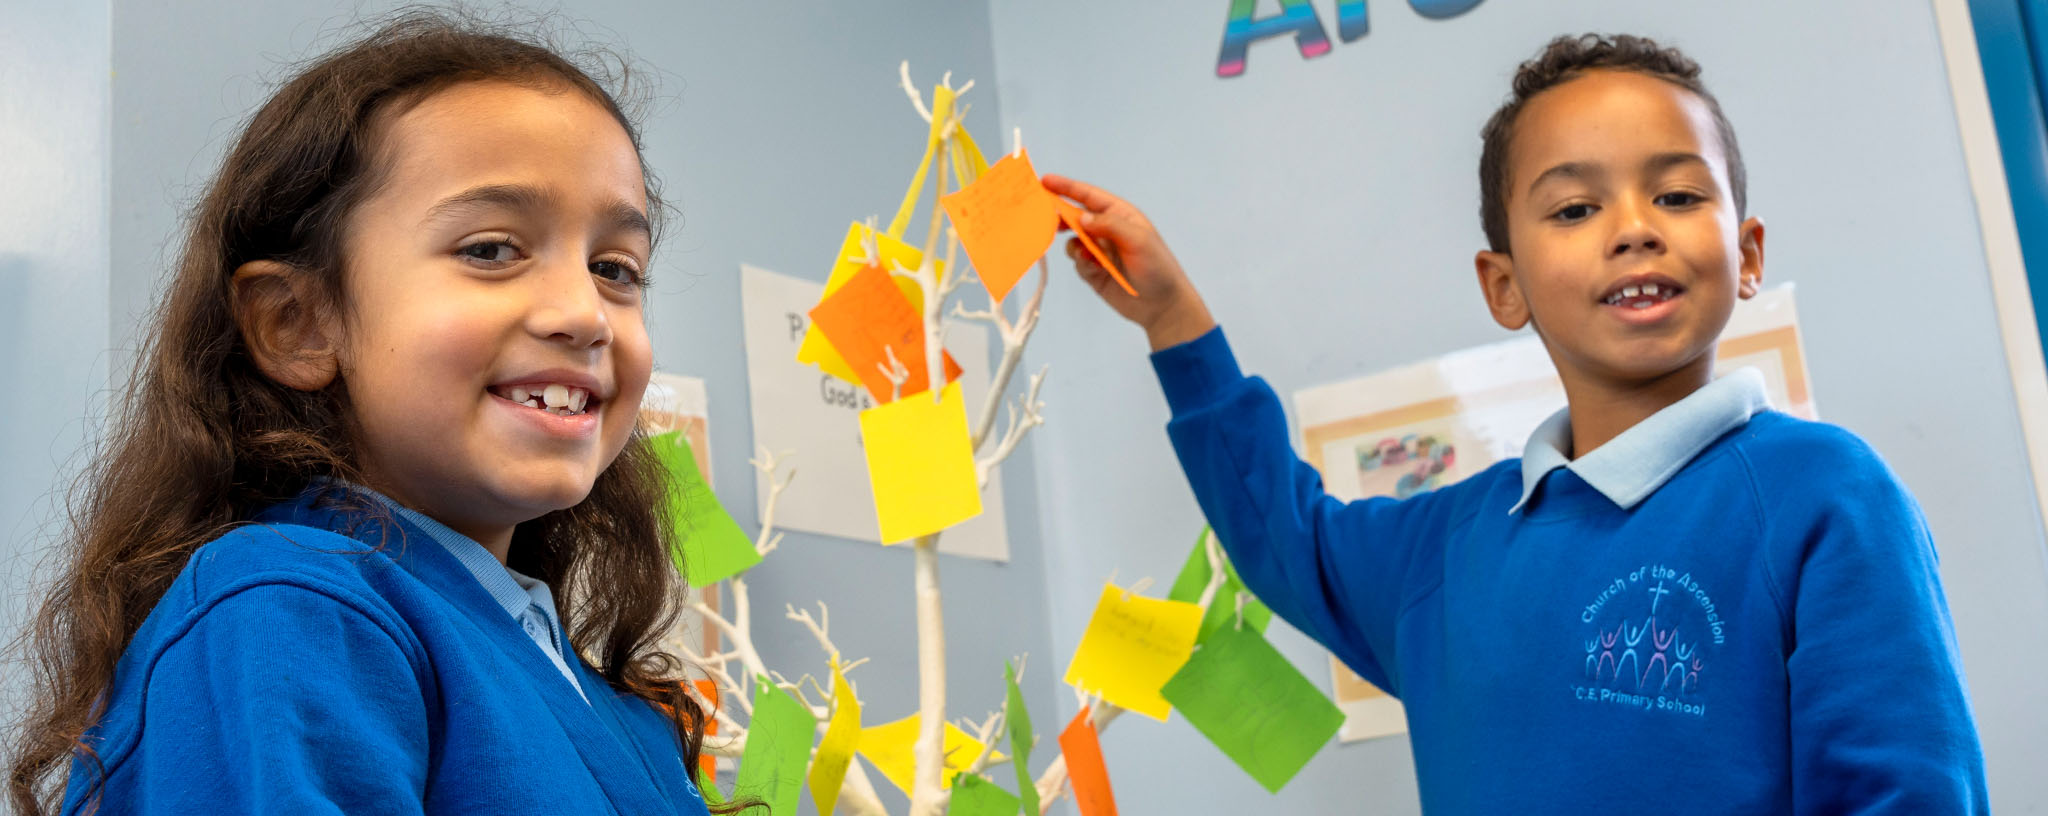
{"x": 577, "y": 400}
{"x": 520, "y": 394}
{"x": 1649, "y": 288}
{"x": 557, "y": 396}
{"x": 1630, "y": 291}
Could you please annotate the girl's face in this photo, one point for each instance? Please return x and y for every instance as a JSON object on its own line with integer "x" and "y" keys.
{"x": 496, "y": 350}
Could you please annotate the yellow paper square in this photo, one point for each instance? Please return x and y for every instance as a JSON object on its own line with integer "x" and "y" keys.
{"x": 892, "y": 748}
{"x": 920, "y": 465}
{"x": 1132, "y": 646}
{"x": 816, "y": 349}
{"x": 835, "y": 750}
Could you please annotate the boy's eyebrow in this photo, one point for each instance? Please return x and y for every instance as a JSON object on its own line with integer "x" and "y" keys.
{"x": 1582, "y": 170}
{"x": 526, "y": 197}
{"x": 1567, "y": 170}
{"x": 1665, "y": 161}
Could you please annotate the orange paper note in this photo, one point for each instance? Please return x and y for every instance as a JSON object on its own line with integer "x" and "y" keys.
{"x": 865, "y": 317}
{"x": 708, "y": 690}
{"x": 1005, "y": 221}
{"x": 1085, "y": 768}
{"x": 1072, "y": 216}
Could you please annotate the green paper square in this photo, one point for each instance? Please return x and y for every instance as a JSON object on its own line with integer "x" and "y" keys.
{"x": 712, "y": 547}
{"x": 1194, "y": 577}
{"x": 975, "y": 796}
{"x": 778, "y": 749}
{"x": 1248, "y": 700}
{"x": 1019, "y": 726}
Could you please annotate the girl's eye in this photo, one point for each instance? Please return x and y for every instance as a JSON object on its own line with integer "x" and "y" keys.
{"x": 490, "y": 251}
{"x": 1575, "y": 212}
{"x": 616, "y": 272}
{"x": 1678, "y": 199}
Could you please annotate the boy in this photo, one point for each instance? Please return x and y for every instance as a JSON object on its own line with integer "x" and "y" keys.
{"x": 1677, "y": 597}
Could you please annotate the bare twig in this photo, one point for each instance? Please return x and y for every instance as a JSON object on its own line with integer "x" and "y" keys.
{"x": 1021, "y": 423}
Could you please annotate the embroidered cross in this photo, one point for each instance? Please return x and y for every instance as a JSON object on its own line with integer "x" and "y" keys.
{"x": 1656, "y": 595}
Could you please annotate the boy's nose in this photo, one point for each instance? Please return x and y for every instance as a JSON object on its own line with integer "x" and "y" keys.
{"x": 1642, "y": 242}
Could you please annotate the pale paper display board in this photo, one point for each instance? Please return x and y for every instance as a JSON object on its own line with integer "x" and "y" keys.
{"x": 1423, "y": 426}
{"x": 674, "y": 402}
{"x": 815, "y": 418}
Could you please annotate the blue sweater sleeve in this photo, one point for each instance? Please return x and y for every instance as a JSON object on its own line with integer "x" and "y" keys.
{"x": 280, "y": 699}
{"x": 1881, "y": 720}
{"x": 1340, "y": 572}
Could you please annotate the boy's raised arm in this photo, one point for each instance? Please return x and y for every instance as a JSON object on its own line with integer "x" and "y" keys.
{"x": 1339, "y": 572}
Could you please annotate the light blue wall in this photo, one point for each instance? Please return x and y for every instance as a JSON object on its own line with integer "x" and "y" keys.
{"x": 53, "y": 276}
{"x": 1327, "y": 208}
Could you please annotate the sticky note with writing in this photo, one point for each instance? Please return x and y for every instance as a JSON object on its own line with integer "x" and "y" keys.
{"x": 1085, "y": 769}
{"x": 835, "y": 750}
{"x": 1132, "y": 646}
{"x": 853, "y": 257}
{"x": 778, "y": 748}
{"x": 1246, "y": 698}
{"x": 1194, "y": 579}
{"x": 868, "y": 321}
{"x": 891, "y": 747}
{"x": 920, "y": 465}
{"x": 711, "y": 547}
{"x": 1005, "y": 221}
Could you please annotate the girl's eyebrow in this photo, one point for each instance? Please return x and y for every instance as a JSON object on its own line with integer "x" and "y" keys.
{"x": 619, "y": 215}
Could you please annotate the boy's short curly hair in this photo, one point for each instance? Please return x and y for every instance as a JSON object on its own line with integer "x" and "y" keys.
{"x": 1563, "y": 60}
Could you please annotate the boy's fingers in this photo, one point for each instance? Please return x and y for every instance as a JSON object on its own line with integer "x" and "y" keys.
{"x": 1094, "y": 198}
{"x": 1084, "y": 263}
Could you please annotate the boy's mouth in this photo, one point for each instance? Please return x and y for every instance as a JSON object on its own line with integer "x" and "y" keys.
{"x": 554, "y": 398}
{"x": 1642, "y": 293}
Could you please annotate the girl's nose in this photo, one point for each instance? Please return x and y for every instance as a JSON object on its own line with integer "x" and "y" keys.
{"x": 568, "y": 307}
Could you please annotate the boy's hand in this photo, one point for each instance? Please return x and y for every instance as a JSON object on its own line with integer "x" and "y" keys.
{"x": 1167, "y": 307}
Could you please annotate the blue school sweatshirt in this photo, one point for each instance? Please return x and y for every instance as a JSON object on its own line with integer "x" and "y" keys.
{"x": 308, "y": 664}
{"x": 1724, "y": 610}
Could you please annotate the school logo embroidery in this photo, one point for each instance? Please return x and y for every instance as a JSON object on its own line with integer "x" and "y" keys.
{"x": 1644, "y": 649}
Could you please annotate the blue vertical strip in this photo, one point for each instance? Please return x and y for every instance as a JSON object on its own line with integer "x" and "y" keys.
{"x": 2012, "y": 42}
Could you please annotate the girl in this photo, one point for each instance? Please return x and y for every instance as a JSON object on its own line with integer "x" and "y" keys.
{"x": 385, "y": 420}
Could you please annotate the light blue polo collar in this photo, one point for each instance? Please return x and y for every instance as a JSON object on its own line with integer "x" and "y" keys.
{"x": 1633, "y": 465}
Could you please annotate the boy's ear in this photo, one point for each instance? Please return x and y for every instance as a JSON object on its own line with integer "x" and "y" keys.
{"x": 1751, "y": 243}
{"x": 1497, "y": 283}
{"x": 287, "y": 324}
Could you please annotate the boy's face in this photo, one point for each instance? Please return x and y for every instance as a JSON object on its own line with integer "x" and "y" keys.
{"x": 500, "y": 257}
{"x": 1625, "y": 249}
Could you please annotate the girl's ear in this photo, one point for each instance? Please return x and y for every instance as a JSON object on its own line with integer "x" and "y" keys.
{"x": 289, "y": 327}
{"x": 1497, "y": 283}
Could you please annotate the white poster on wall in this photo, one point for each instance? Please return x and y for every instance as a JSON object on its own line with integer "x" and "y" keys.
{"x": 814, "y": 418}
{"x": 1419, "y": 427}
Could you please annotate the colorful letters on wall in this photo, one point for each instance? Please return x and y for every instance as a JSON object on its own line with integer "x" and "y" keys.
{"x": 1299, "y": 18}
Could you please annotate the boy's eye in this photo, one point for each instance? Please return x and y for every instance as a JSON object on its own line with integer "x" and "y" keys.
{"x": 491, "y": 251}
{"x": 1678, "y": 199}
{"x": 1574, "y": 212}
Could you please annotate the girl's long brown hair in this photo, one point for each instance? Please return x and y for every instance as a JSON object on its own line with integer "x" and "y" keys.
{"x": 204, "y": 440}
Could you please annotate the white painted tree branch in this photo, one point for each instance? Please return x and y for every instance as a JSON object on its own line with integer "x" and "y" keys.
{"x": 1014, "y": 336}
{"x": 1021, "y": 423}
